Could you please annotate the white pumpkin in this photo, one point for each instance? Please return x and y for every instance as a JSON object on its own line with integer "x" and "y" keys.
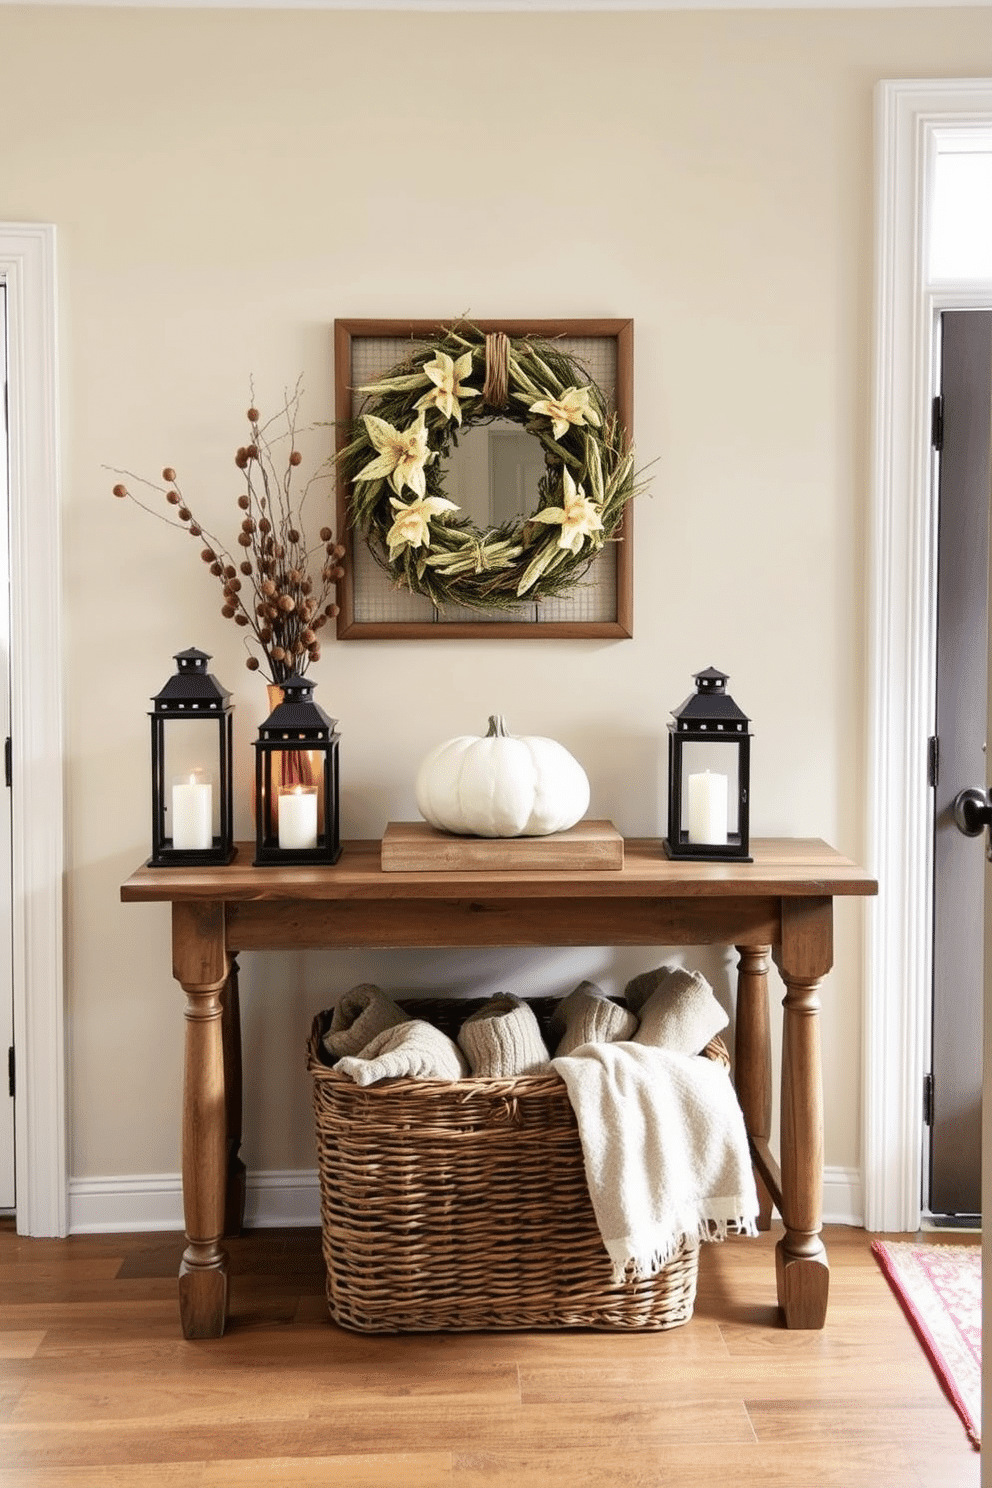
{"x": 501, "y": 785}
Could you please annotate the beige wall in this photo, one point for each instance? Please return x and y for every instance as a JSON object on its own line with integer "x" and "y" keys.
{"x": 224, "y": 185}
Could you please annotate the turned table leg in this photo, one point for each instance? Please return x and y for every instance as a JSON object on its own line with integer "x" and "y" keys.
{"x": 753, "y": 1061}
{"x": 234, "y": 1208}
{"x": 802, "y": 1268}
{"x": 200, "y": 965}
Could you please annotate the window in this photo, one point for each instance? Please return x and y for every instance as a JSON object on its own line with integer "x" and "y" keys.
{"x": 961, "y": 229}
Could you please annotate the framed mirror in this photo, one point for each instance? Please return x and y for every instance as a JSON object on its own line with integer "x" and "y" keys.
{"x": 498, "y": 468}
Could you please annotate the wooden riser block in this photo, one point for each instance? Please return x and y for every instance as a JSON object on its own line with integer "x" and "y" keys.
{"x": 415, "y": 847}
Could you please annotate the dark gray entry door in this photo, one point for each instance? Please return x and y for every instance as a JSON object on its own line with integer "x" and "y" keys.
{"x": 964, "y": 439}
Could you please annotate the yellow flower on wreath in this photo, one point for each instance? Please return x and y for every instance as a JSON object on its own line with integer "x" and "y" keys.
{"x": 572, "y": 406}
{"x": 447, "y": 376}
{"x": 402, "y": 455}
{"x": 578, "y": 516}
{"x": 412, "y": 528}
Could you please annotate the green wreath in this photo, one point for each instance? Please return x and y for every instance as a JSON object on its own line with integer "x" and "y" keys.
{"x": 396, "y": 465}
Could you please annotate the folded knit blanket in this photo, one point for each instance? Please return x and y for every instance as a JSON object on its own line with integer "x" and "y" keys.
{"x": 503, "y": 1039}
{"x": 359, "y": 1015}
{"x": 665, "y": 1151}
{"x": 677, "y": 1009}
{"x": 588, "y": 1016}
{"x": 415, "y": 1048}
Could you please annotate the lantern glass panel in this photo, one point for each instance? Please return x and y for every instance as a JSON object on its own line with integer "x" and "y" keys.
{"x": 702, "y": 808}
{"x": 190, "y": 753}
{"x": 290, "y": 768}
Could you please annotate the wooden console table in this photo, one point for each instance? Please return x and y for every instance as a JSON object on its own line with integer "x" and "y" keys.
{"x": 780, "y": 905}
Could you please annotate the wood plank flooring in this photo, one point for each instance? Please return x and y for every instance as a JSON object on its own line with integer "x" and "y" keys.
{"x": 97, "y": 1386}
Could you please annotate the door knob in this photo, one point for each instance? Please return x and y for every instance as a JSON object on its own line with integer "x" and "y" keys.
{"x": 973, "y": 813}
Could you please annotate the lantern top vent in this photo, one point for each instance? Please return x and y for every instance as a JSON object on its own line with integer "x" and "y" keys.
{"x": 298, "y": 716}
{"x": 192, "y": 689}
{"x": 192, "y": 659}
{"x": 710, "y": 709}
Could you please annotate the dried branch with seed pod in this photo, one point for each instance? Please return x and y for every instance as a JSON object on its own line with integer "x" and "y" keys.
{"x": 277, "y": 588}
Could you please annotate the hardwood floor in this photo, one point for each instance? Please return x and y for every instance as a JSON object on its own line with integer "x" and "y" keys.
{"x": 97, "y": 1386}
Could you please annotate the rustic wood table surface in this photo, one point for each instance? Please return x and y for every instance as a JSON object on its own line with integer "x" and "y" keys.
{"x": 780, "y": 905}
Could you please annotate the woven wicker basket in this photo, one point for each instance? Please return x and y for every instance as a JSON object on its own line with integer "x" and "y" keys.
{"x": 452, "y": 1206}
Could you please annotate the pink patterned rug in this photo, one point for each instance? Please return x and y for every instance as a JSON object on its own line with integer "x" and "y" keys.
{"x": 940, "y": 1288}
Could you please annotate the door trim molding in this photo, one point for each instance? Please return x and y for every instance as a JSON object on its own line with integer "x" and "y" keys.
{"x": 908, "y": 117}
{"x": 27, "y": 265}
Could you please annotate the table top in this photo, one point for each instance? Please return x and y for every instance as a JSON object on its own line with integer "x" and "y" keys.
{"x": 794, "y": 867}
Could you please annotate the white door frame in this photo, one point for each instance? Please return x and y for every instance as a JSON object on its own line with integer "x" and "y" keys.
{"x": 27, "y": 265}
{"x": 910, "y": 117}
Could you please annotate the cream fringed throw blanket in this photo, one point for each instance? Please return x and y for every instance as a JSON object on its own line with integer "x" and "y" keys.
{"x": 665, "y": 1151}
{"x": 663, "y": 1137}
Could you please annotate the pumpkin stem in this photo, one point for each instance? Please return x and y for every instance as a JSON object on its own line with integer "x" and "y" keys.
{"x": 497, "y": 727}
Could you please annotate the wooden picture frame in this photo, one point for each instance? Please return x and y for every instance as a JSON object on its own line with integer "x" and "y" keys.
{"x": 371, "y": 608}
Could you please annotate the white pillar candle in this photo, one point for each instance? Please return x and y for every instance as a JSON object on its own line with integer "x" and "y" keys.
{"x": 192, "y": 813}
{"x": 708, "y": 809}
{"x": 298, "y": 817}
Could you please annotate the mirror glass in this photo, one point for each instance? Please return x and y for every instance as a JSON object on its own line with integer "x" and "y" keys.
{"x": 493, "y": 473}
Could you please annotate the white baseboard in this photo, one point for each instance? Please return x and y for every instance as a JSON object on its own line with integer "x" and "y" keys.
{"x": 843, "y": 1197}
{"x": 154, "y": 1201}
{"x": 843, "y": 1203}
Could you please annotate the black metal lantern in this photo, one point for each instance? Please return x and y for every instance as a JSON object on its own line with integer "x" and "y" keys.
{"x": 192, "y": 728}
{"x": 709, "y": 765}
{"x": 296, "y": 781}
